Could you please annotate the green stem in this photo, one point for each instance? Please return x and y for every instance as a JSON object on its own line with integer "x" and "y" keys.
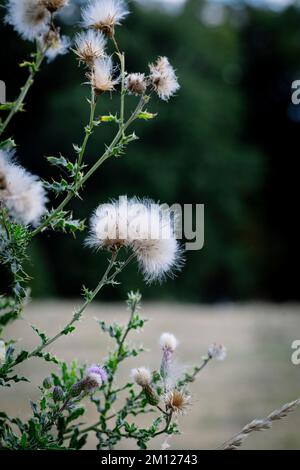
{"x": 191, "y": 377}
{"x": 88, "y": 132}
{"x": 123, "y": 91}
{"x": 78, "y": 314}
{"x": 92, "y": 170}
{"x": 24, "y": 90}
{"x": 165, "y": 429}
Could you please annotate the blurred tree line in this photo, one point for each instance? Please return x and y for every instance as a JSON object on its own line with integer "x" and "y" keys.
{"x": 226, "y": 141}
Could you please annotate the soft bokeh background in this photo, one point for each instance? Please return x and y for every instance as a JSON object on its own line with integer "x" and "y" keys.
{"x": 229, "y": 140}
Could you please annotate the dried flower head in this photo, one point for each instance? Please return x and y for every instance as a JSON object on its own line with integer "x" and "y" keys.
{"x": 163, "y": 78}
{"x": 168, "y": 342}
{"x": 101, "y": 76}
{"x": 136, "y": 83}
{"x": 54, "y": 44}
{"x": 177, "y": 401}
{"x": 54, "y": 5}
{"x": 29, "y": 18}
{"x": 104, "y": 15}
{"x": 21, "y": 192}
{"x": 141, "y": 376}
{"x": 89, "y": 46}
{"x": 217, "y": 351}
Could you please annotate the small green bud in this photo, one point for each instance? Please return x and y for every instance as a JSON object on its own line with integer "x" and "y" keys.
{"x": 47, "y": 383}
{"x": 58, "y": 394}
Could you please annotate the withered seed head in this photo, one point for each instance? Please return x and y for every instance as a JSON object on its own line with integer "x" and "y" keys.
{"x": 54, "y": 5}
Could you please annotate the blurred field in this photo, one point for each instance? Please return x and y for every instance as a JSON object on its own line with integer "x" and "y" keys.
{"x": 257, "y": 376}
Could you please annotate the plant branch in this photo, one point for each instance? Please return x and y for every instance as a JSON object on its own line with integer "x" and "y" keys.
{"x": 18, "y": 104}
{"x": 108, "y": 152}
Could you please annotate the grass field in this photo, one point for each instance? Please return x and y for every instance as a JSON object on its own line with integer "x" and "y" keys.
{"x": 256, "y": 377}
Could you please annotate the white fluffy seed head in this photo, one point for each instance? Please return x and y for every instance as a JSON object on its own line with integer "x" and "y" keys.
{"x": 89, "y": 46}
{"x": 168, "y": 341}
{"x": 141, "y": 376}
{"x": 55, "y": 45}
{"x": 157, "y": 258}
{"x": 163, "y": 78}
{"x": 217, "y": 351}
{"x": 149, "y": 229}
{"x": 104, "y": 15}
{"x": 21, "y": 192}
{"x": 153, "y": 239}
{"x": 136, "y": 84}
{"x": 108, "y": 228}
{"x": 30, "y": 18}
{"x": 101, "y": 76}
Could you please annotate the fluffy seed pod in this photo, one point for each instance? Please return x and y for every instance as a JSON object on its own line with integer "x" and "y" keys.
{"x": 141, "y": 376}
{"x": 136, "y": 84}
{"x": 168, "y": 341}
{"x": 21, "y": 192}
{"x": 217, "y": 351}
{"x": 101, "y": 75}
{"x": 89, "y": 46}
{"x": 163, "y": 78}
{"x": 104, "y": 15}
{"x": 30, "y": 18}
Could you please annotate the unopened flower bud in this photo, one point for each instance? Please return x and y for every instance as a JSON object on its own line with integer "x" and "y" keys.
{"x": 58, "y": 393}
{"x": 47, "y": 383}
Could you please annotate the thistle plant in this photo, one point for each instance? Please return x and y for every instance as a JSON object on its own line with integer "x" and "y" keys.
{"x": 133, "y": 230}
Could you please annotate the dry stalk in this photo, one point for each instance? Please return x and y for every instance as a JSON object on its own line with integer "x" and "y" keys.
{"x": 259, "y": 425}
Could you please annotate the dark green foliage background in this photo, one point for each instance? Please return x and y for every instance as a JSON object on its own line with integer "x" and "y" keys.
{"x": 226, "y": 141}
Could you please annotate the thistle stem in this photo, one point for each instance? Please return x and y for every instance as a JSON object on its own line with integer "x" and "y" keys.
{"x": 108, "y": 152}
{"x": 88, "y": 132}
{"x": 106, "y": 279}
{"x": 39, "y": 57}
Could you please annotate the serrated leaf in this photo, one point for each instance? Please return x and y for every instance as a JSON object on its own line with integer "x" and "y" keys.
{"x": 41, "y": 334}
